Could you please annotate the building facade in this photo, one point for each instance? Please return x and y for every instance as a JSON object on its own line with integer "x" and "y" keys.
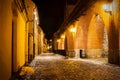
{"x": 91, "y": 30}
{"x": 20, "y": 35}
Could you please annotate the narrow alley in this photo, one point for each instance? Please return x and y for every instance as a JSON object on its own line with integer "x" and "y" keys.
{"x": 49, "y": 66}
{"x": 59, "y": 39}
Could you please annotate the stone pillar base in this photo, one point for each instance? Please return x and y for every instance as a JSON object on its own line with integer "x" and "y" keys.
{"x": 96, "y": 53}
{"x": 70, "y": 53}
{"x": 73, "y": 53}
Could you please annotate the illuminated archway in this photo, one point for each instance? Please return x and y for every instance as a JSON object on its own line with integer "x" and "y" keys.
{"x": 97, "y": 42}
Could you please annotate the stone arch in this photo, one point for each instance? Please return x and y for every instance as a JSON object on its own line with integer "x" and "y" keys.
{"x": 81, "y": 34}
{"x": 111, "y": 24}
{"x": 70, "y": 41}
{"x": 97, "y": 42}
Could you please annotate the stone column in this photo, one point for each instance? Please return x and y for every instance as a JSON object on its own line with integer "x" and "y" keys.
{"x": 113, "y": 37}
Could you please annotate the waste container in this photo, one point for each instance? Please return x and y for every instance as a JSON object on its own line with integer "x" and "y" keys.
{"x": 82, "y": 54}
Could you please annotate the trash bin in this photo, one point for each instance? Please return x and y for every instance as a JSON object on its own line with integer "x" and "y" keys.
{"x": 82, "y": 54}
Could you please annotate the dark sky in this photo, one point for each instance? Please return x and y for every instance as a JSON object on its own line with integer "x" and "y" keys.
{"x": 51, "y": 13}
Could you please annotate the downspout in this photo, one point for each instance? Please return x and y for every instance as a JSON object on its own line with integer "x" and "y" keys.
{"x": 34, "y": 34}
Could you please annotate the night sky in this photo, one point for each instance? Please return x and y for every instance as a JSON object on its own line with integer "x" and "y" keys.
{"x": 51, "y": 13}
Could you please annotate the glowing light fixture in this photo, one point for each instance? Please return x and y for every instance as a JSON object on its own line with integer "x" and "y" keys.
{"x": 73, "y": 30}
{"x": 58, "y": 40}
{"x": 36, "y": 18}
{"x": 50, "y": 40}
{"x": 63, "y": 36}
{"x": 37, "y": 23}
{"x": 35, "y": 12}
{"x": 107, "y": 8}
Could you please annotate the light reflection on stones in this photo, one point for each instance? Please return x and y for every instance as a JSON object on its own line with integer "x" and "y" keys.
{"x": 56, "y": 67}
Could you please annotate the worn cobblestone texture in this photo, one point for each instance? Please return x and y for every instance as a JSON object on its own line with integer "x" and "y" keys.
{"x": 56, "y": 67}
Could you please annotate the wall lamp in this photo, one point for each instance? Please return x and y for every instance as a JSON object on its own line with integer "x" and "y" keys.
{"x": 34, "y": 12}
{"x": 58, "y": 40}
{"x": 62, "y": 36}
{"x": 107, "y": 8}
{"x": 73, "y": 30}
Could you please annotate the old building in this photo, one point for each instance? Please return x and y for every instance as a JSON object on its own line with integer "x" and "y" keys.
{"x": 91, "y": 30}
{"x": 21, "y": 38}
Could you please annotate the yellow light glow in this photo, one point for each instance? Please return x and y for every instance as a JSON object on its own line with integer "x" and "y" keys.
{"x": 35, "y": 12}
{"x": 37, "y": 23}
{"x": 104, "y": 7}
{"x": 36, "y": 18}
{"x": 50, "y": 40}
{"x": 107, "y": 7}
{"x": 73, "y": 30}
{"x": 58, "y": 40}
{"x": 48, "y": 47}
{"x": 63, "y": 36}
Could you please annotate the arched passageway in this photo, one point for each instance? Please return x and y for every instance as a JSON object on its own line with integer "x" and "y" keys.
{"x": 97, "y": 42}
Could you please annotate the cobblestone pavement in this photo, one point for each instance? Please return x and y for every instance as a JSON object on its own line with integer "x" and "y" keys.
{"x": 56, "y": 67}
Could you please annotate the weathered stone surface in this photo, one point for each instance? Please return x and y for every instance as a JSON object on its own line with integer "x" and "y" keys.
{"x": 56, "y": 67}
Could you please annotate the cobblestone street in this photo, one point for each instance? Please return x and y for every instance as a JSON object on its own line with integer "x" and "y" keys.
{"x": 56, "y": 67}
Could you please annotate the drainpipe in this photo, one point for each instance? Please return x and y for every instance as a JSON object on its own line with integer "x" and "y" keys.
{"x": 34, "y": 34}
{"x": 29, "y": 56}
